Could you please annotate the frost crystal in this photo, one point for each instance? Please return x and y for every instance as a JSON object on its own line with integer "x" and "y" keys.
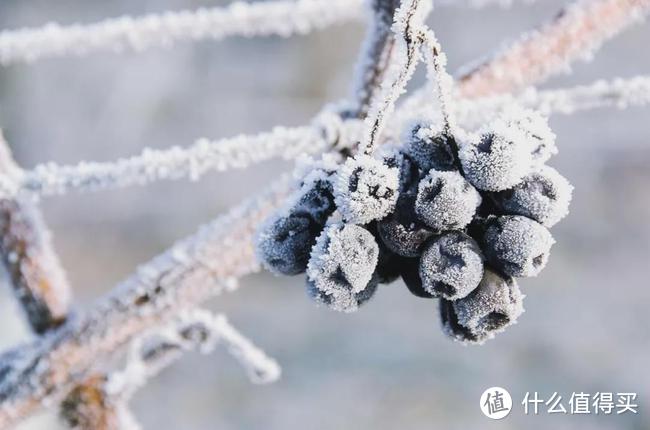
{"x": 451, "y": 266}
{"x": 401, "y": 231}
{"x": 429, "y": 149}
{"x": 517, "y": 245}
{"x": 409, "y": 173}
{"x": 498, "y": 159}
{"x": 284, "y": 243}
{"x": 544, "y": 195}
{"x": 341, "y": 266}
{"x": 315, "y": 199}
{"x": 539, "y": 135}
{"x": 446, "y": 201}
{"x": 366, "y": 189}
{"x": 489, "y": 309}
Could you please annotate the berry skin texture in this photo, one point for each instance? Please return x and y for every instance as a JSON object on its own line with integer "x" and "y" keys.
{"x": 540, "y": 137}
{"x": 517, "y": 246}
{"x": 401, "y": 231}
{"x": 451, "y": 266}
{"x": 411, "y": 277}
{"x": 451, "y": 327}
{"x": 366, "y": 189}
{"x": 498, "y": 159}
{"x": 316, "y": 199}
{"x": 344, "y": 302}
{"x": 409, "y": 173}
{"x": 543, "y": 195}
{"x": 429, "y": 149}
{"x": 388, "y": 266}
{"x": 446, "y": 201}
{"x": 284, "y": 244}
{"x": 488, "y": 310}
{"x": 341, "y": 265}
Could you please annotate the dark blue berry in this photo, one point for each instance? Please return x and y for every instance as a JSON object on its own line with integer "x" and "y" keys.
{"x": 451, "y": 265}
{"x": 284, "y": 244}
{"x": 401, "y": 231}
{"x": 489, "y": 309}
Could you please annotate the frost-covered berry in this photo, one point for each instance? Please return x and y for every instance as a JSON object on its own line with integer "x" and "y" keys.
{"x": 497, "y": 160}
{"x": 541, "y": 138}
{"x": 411, "y": 277}
{"x": 366, "y": 189}
{"x": 451, "y": 265}
{"x": 408, "y": 170}
{"x": 543, "y": 195}
{"x": 389, "y": 266}
{"x": 517, "y": 246}
{"x": 342, "y": 264}
{"x": 429, "y": 149}
{"x": 451, "y": 327}
{"x": 446, "y": 201}
{"x": 489, "y": 309}
{"x": 315, "y": 198}
{"x": 341, "y": 302}
{"x": 284, "y": 243}
{"x": 401, "y": 231}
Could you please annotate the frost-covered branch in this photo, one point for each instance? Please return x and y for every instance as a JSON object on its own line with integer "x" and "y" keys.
{"x": 89, "y": 407}
{"x": 618, "y": 93}
{"x": 101, "y": 403}
{"x": 192, "y": 271}
{"x": 191, "y": 330}
{"x": 406, "y": 27}
{"x": 279, "y": 17}
{"x": 177, "y": 163}
{"x": 478, "y": 4}
{"x": 376, "y": 54}
{"x": 575, "y": 33}
{"x": 472, "y": 112}
{"x": 443, "y": 82}
{"x": 34, "y": 270}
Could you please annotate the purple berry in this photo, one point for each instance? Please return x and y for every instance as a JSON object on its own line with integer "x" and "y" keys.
{"x": 429, "y": 149}
{"x": 543, "y": 195}
{"x": 497, "y": 160}
{"x": 540, "y": 137}
{"x": 411, "y": 277}
{"x": 315, "y": 198}
{"x": 284, "y": 243}
{"x": 451, "y": 266}
{"x": 401, "y": 231}
{"x": 446, "y": 201}
{"x": 342, "y": 264}
{"x": 489, "y": 309}
{"x": 366, "y": 189}
{"x": 516, "y": 245}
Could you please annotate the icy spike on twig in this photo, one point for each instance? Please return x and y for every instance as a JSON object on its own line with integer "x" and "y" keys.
{"x": 197, "y": 330}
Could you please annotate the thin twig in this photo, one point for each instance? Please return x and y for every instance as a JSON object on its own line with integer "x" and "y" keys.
{"x": 187, "y": 274}
{"x": 37, "y": 278}
{"x": 377, "y": 52}
{"x": 280, "y": 17}
{"x": 575, "y": 33}
{"x": 408, "y": 19}
{"x": 178, "y": 163}
{"x": 101, "y": 402}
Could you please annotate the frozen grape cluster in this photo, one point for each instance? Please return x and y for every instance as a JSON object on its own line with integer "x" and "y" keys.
{"x": 457, "y": 218}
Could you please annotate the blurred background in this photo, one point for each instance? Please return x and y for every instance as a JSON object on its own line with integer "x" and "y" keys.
{"x": 389, "y": 365}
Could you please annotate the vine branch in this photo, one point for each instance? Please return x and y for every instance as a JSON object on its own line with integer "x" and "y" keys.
{"x": 575, "y": 33}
